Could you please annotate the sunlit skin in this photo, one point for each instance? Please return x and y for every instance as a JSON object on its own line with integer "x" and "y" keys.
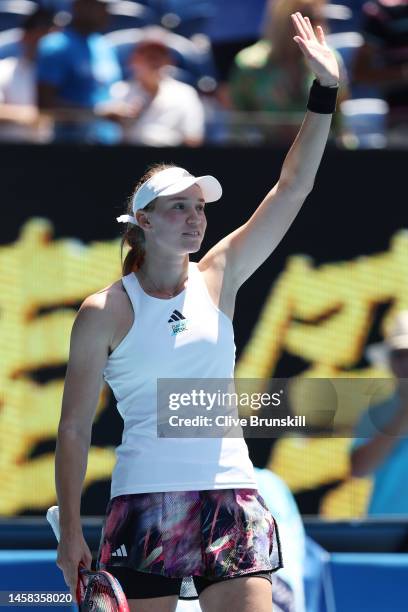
{"x": 106, "y": 317}
{"x": 147, "y": 63}
{"x": 168, "y": 228}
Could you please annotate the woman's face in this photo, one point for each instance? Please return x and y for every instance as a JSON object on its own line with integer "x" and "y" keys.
{"x": 178, "y": 223}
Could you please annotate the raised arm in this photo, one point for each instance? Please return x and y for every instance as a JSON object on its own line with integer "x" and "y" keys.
{"x": 243, "y": 251}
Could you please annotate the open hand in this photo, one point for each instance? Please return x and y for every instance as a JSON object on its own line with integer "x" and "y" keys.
{"x": 319, "y": 57}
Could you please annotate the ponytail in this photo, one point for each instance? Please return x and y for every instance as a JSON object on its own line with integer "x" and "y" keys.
{"x": 134, "y": 236}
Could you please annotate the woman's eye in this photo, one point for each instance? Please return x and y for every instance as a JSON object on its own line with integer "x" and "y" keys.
{"x": 179, "y": 205}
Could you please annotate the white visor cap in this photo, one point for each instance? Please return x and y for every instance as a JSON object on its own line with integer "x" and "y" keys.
{"x": 170, "y": 182}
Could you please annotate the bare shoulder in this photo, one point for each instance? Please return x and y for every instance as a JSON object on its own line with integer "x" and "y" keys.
{"x": 103, "y": 304}
{"x": 106, "y": 311}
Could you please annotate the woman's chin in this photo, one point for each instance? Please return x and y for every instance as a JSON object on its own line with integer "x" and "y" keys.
{"x": 193, "y": 249}
{"x": 192, "y": 245}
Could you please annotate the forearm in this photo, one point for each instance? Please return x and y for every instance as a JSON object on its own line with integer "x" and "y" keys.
{"x": 366, "y": 458}
{"x": 72, "y": 115}
{"x": 70, "y": 468}
{"x": 18, "y": 113}
{"x": 303, "y": 159}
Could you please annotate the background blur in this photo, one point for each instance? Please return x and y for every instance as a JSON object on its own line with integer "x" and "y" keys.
{"x": 93, "y": 92}
{"x": 311, "y": 310}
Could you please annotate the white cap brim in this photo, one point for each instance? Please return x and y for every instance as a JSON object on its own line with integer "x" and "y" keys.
{"x": 168, "y": 182}
{"x": 209, "y": 185}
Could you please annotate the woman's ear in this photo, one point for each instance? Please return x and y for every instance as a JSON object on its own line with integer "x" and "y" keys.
{"x": 142, "y": 220}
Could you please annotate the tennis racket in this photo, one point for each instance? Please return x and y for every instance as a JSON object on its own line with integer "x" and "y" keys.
{"x": 96, "y": 591}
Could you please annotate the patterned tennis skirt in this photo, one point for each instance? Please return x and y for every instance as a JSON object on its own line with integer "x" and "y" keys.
{"x": 216, "y": 534}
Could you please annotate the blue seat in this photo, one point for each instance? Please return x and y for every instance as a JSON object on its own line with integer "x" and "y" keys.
{"x": 365, "y": 119}
{"x": 355, "y": 6}
{"x": 14, "y": 12}
{"x": 185, "y": 17}
{"x": 125, "y": 15}
{"x": 10, "y": 43}
{"x": 192, "y": 62}
{"x": 317, "y": 579}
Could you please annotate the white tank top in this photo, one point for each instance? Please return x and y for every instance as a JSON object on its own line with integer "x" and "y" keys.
{"x": 163, "y": 344}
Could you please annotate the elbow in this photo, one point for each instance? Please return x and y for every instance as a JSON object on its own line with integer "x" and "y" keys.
{"x": 72, "y": 433}
{"x": 296, "y": 190}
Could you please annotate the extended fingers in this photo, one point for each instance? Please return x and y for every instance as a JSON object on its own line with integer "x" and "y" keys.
{"x": 310, "y": 27}
{"x": 302, "y": 45}
{"x": 320, "y": 35}
{"x": 301, "y": 26}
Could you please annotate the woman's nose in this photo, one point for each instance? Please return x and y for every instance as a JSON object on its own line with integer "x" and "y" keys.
{"x": 193, "y": 216}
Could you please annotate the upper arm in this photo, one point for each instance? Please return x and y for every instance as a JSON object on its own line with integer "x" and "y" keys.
{"x": 90, "y": 340}
{"x": 244, "y": 250}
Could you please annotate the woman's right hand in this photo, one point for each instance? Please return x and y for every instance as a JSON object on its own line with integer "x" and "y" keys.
{"x": 72, "y": 552}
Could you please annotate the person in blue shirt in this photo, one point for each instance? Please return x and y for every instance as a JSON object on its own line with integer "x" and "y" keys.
{"x": 380, "y": 447}
{"x": 75, "y": 69}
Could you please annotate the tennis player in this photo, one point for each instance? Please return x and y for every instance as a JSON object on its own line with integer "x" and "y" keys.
{"x": 184, "y": 517}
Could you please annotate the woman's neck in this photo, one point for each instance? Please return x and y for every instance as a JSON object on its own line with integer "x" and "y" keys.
{"x": 163, "y": 274}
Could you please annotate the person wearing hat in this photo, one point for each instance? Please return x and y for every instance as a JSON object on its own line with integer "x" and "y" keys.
{"x": 380, "y": 446}
{"x": 168, "y": 112}
{"x": 184, "y": 518}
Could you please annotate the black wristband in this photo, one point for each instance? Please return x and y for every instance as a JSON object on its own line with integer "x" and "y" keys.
{"x": 322, "y": 99}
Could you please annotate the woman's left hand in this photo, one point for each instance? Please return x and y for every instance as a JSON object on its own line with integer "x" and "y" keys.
{"x": 319, "y": 57}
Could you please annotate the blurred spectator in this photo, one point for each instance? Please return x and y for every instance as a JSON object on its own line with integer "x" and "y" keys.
{"x": 382, "y": 60}
{"x": 18, "y": 97}
{"x": 271, "y": 75}
{"x": 380, "y": 447}
{"x": 236, "y": 24}
{"x": 76, "y": 68}
{"x": 168, "y": 112}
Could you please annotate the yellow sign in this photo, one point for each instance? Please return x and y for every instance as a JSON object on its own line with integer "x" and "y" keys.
{"x": 323, "y": 315}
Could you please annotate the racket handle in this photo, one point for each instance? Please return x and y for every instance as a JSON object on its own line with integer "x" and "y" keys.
{"x": 53, "y": 519}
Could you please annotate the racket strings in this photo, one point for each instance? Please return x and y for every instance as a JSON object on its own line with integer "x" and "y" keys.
{"x": 100, "y": 596}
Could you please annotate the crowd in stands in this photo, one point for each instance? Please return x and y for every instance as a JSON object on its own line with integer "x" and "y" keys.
{"x": 185, "y": 72}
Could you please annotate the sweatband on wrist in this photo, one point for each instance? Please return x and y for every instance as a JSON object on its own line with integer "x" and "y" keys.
{"x": 322, "y": 99}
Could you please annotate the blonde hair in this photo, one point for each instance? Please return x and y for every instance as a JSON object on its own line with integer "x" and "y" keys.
{"x": 134, "y": 236}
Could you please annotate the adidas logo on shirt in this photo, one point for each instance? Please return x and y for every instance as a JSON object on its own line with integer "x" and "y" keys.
{"x": 177, "y": 322}
{"x": 120, "y": 552}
